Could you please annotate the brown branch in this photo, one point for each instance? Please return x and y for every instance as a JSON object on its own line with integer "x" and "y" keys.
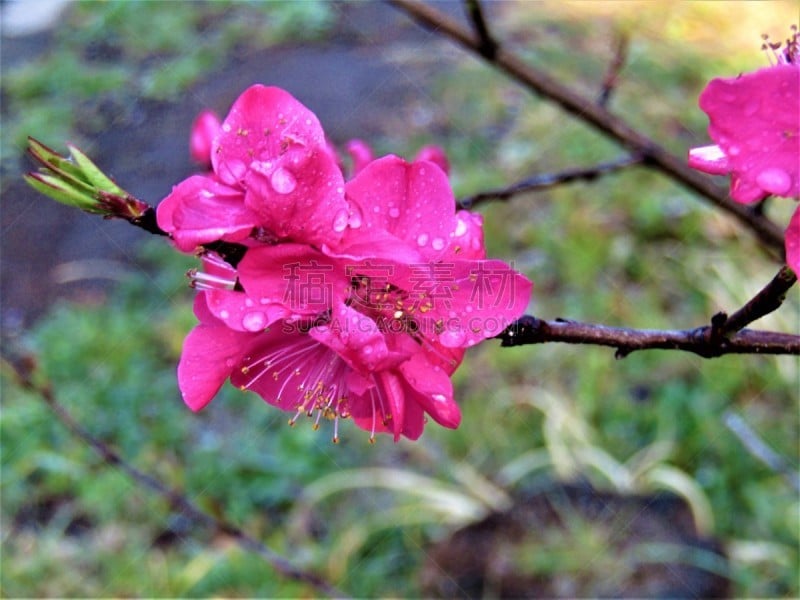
{"x": 703, "y": 341}
{"x": 764, "y": 302}
{"x": 548, "y": 180}
{"x": 614, "y": 68}
{"x": 488, "y": 47}
{"x": 25, "y": 373}
{"x": 591, "y": 112}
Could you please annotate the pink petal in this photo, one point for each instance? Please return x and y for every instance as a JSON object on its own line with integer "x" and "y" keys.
{"x": 709, "y": 159}
{"x": 204, "y": 129}
{"x": 298, "y": 195}
{"x": 461, "y": 303}
{"x": 294, "y": 276}
{"x": 432, "y": 390}
{"x": 200, "y": 210}
{"x": 261, "y": 125}
{"x": 436, "y": 155}
{"x": 356, "y": 338}
{"x": 754, "y": 118}
{"x": 466, "y": 240}
{"x": 793, "y": 243}
{"x": 360, "y": 153}
{"x": 209, "y": 354}
{"x": 412, "y": 202}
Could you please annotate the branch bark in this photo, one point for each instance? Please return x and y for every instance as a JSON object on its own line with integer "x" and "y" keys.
{"x": 704, "y": 341}
{"x": 549, "y": 180}
{"x": 598, "y": 116}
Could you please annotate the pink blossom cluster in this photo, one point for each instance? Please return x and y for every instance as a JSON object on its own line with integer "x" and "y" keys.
{"x": 355, "y": 298}
{"x": 755, "y": 122}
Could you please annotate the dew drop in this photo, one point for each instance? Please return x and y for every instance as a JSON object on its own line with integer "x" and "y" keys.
{"x": 452, "y": 338}
{"x": 226, "y": 127}
{"x": 437, "y": 243}
{"x": 775, "y": 181}
{"x": 248, "y": 302}
{"x": 394, "y": 212}
{"x": 734, "y": 150}
{"x": 422, "y": 239}
{"x": 340, "y": 220}
{"x": 461, "y": 228}
{"x": 367, "y": 349}
{"x": 264, "y": 300}
{"x": 355, "y": 218}
{"x": 254, "y": 321}
{"x": 224, "y": 314}
{"x": 439, "y": 397}
{"x": 283, "y": 181}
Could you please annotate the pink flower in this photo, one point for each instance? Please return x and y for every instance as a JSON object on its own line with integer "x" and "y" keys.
{"x": 312, "y": 371}
{"x": 755, "y": 122}
{"x": 273, "y": 177}
{"x": 204, "y": 129}
{"x": 793, "y": 243}
{"x": 376, "y": 333}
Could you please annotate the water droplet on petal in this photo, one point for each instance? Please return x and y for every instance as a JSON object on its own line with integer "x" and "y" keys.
{"x": 452, "y": 338}
{"x": 394, "y": 212}
{"x": 734, "y": 150}
{"x": 224, "y": 314}
{"x": 461, "y": 227}
{"x": 340, "y": 220}
{"x": 254, "y": 321}
{"x": 422, "y": 239}
{"x": 283, "y": 181}
{"x": 437, "y": 243}
{"x": 367, "y": 349}
{"x": 439, "y": 397}
{"x": 354, "y": 220}
{"x": 775, "y": 181}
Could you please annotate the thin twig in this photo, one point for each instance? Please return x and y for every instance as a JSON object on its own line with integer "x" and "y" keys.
{"x": 548, "y": 180}
{"x": 489, "y": 45}
{"x": 764, "y": 302}
{"x": 759, "y": 449}
{"x": 611, "y": 77}
{"x": 703, "y": 341}
{"x": 591, "y": 112}
{"x": 24, "y": 370}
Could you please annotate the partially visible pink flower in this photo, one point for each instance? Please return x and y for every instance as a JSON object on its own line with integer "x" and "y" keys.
{"x": 204, "y": 129}
{"x": 436, "y": 155}
{"x": 755, "y": 122}
{"x": 272, "y": 173}
{"x": 360, "y": 153}
{"x": 793, "y": 243}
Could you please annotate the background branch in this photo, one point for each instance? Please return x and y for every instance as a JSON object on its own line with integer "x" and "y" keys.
{"x": 611, "y": 77}
{"x": 549, "y": 180}
{"x": 704, "y": 341}
{"x": 593, "y": 113}
{"x": 488, "y": 44}
{"x": 24, "y": 371}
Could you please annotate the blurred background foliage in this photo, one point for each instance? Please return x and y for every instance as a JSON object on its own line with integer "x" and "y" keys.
{"x": 629, "y": 249}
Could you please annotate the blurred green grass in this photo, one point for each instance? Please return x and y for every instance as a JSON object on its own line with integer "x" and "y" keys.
{"x": 630, "y": 249}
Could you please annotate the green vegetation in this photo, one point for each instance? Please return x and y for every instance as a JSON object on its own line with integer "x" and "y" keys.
{"x": 630, "y": 249}
{"x": 115, "y": 50}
